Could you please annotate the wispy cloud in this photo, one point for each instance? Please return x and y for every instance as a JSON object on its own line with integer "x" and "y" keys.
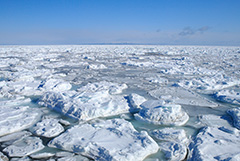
{"x": 191, "y": 31}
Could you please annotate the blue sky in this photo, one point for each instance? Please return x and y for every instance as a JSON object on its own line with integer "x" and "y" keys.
{"x": 166, "y": 22}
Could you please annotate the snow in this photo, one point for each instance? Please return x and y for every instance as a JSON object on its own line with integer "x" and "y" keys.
{"x": 235, "y": 114}
{"x": 135, "y": 101}
{"x": 23, "y": 147}
{"x": 48, "y": 128}
{"x": 91, "y": 101}
{"x": 213, "y": 143}
{"x": 174, "y": 143}
{"x": 14, "y": 119}
{"x": 192, "y": 86}
{"x": 229, "y": 96}
{"x": 107, "y": 140}
{"x": 180, "y": 95}
{"x": 167, "y": 114}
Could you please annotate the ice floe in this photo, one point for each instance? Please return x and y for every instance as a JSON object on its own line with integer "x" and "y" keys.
{"x": 229, "y": 96}
{"x": 24, "y": 147}
{"x": 91, "y": 101}
{"x": 162, "y": 114}
{"x": 235, "y": 114}
{"x": 107, "y": 140}
{"x": 180, "y": 95}
{"x": 174, "y": 142}
{"x": 15, "y": 119}
{"x": 48, "y": 128}
{"x": 135, "y": 101}
{"x": 212, "y": 143}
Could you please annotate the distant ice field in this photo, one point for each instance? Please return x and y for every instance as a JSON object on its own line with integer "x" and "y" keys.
{"x": 119, "y": 102}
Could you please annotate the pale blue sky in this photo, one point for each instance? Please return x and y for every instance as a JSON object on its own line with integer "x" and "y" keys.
{"x": 168, "y": 22}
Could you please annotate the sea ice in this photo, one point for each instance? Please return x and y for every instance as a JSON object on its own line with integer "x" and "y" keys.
{"x": 213, "y": 143}
{"x": 174, "y": 151}
{"x": 235, "y": 114}
{"x": 167, "y": 114}
{"x": 174, "y": 143}
{"x": 24, "y": 147}
{"x": 171, "y": 134}
{"x": 91, "y": 101}
{"x": 135, "y": 101}
{"x": 180, "y": 95}
{"x": 57, "y": 85}
{"x": 107, "y": 140}
{"x": 229, "y": 96}
{"x": 48, "y": 128}
{"x": 14, "y": 119}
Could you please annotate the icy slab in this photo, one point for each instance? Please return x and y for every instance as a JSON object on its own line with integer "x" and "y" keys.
{"x": 212, "y": 83}
{"x": 229, "y": 96}
{"x": 235, "y": 114}
{"x": 17, "y": 118}
{"x": 74, "y": 158}
{"x": 135, "y": 101}
{"x": 175, "y": 142}
{"x": 215, "y": 121}
{"x": 48, "y": 128}
{"x": 180, "y": 95}
{"x": 173, "y": 150}
{"x": 24, "y": 147}
{"x": 43, "y": 155}
{"x": 167, "y": 114}
{"x": 3, "y": 157}
{"x": 11, "y": 138}
{"x": 21, "y": 159}
{"x": 107, "y": 140}
{"x": 57, "y": 85}
{"x": 91, "y": 101}
{"x": 213, "y": 143}
{"x": 170, "y": 134}
{"x": 103, "y": 86}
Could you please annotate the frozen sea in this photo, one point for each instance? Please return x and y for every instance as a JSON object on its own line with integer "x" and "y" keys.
{"x": 119, "y": 102}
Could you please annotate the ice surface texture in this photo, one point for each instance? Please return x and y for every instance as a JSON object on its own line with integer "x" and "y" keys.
{"x": 91, "y": 101}
{"x": 213, "y": 143}
{"x": 107, "y": 140}
{"x": 14, "y": 119}
{"x": 162, "y": 114}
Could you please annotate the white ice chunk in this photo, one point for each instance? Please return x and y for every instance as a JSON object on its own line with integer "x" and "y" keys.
{"x": 48, "y": 128}
{"x": 213, "y": 143}
{"x": 54, "y": 85}
{"x": 230, "y": 96}
{"x": 24, "y": 147}
{"x": 135, "y": 100}
{"x": 43, "y": 155}
{"x": 74, "y": 158}
{"x": 107, "y": 140}
{"x": 212, "y": 83}
{"x": 171, "y": 134}
{"x": 235, "y": 114}
{"x": 180, "y": 95}
{"x": 168, "y": 114}
{"x": 93, "y": 101}
{"x": 17, "y": 118}
{"x": 174, "y": 151}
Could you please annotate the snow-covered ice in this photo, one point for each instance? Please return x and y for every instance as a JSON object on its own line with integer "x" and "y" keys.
{"x": 23, "y": 147}
{"x": 213, "y": 143}
{"x": 48, "y": 128}
{"x": 235, "y": 114}
{"x": 180, "y": 95}
{"x": 91, "y": 101}
{"x": 159, "y": 114}
{"x": 196, "y": 87}
{"x": 14, "y": 119}
{"x": 107, "y": 140}
{"x": 229, "y": 96}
